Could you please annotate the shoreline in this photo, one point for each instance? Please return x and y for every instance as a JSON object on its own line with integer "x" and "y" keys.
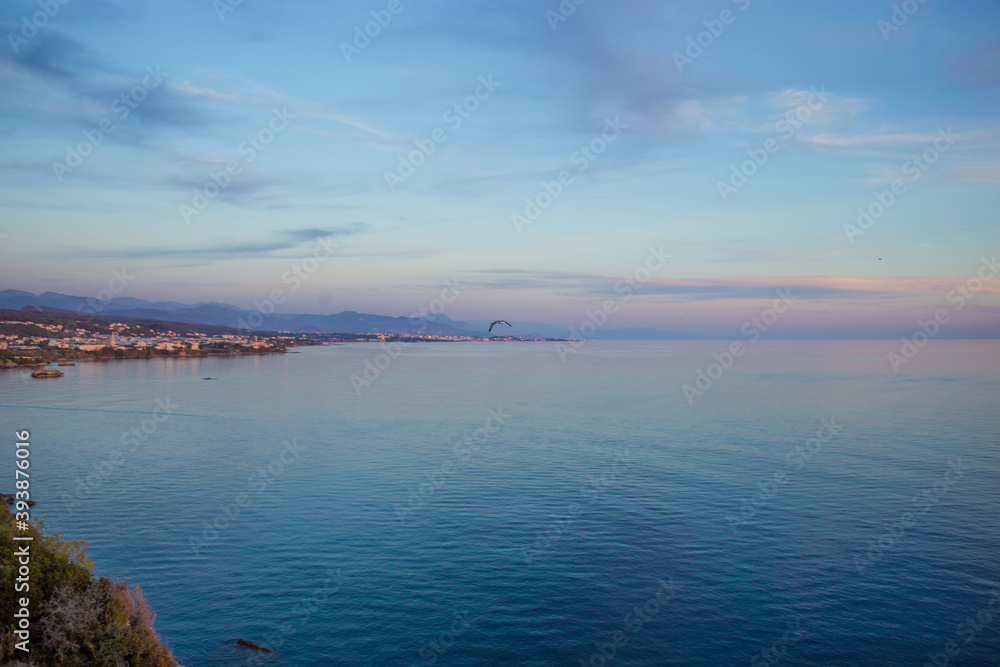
{"x": 12, "y": 361}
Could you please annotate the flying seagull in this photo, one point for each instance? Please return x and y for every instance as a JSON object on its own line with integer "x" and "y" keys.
{"x": 500, "y": 322}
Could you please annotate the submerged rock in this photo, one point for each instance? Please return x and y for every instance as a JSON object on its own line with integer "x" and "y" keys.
{"x": 244, "y": 642}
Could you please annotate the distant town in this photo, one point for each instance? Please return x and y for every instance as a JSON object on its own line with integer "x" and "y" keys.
{"x": 59, "y": 342}
{"x": 33, "y": 339}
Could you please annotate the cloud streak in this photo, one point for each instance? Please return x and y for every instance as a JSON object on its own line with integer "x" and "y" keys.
{"x": 289, "y": 239}
{"x": 731, "y": 287}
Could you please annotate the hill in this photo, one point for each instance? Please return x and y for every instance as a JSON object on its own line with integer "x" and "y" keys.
{"x": 30, "y": 322}
{"x": 345, "y": 322}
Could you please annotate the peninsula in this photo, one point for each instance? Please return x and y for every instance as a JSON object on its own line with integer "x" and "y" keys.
{"x": 36, "y": 337}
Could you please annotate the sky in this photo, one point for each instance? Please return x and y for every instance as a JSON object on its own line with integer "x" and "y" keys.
{"x": 671, "y": 164}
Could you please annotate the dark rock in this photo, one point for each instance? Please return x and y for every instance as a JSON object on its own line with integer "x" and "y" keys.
{"x": 10, "y": 499}
{"x": 243, "y": 642}
{"x": 47, "y": 373}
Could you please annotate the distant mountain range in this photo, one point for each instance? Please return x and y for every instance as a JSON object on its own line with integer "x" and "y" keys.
{"x": 348, "y": 321}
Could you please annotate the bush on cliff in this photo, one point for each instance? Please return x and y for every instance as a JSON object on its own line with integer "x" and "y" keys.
{"x": 76, "y": 620}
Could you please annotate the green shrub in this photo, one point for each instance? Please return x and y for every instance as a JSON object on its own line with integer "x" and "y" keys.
{"x": 76, "y": 620}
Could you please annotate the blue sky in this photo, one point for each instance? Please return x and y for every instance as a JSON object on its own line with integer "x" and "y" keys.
{"x": 330, "y": 122}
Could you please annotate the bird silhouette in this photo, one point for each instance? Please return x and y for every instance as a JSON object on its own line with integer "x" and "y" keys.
{"x": 496, "y": 322}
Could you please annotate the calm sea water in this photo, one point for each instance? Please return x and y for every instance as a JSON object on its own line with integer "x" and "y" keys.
{"x": 811, "y": 507}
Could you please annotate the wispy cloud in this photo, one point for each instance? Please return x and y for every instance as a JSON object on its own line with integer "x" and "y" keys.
{"x": 238, "y": 91}
{"x": 873, "y": 139}
{"x": 214, "y": 95}
{"x": 729, "y": 287}
{"x": 980, "y": 171}
{"x": 287, "y": 240}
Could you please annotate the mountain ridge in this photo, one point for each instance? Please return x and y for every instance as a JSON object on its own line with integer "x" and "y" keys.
{"x": 348, "y": 321}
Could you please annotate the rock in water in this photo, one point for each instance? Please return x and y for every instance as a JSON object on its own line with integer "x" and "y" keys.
{"x": 47, "y": 373}
{"x": 243, "y": 642}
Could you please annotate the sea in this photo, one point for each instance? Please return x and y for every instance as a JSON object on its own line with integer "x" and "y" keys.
{"x": 520, "y": 503}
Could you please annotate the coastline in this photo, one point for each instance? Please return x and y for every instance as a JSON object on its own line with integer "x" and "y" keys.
{"x": 39, "y": 358}
{"x": 42, "y": 357}
{"x": 30, "y": 339}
